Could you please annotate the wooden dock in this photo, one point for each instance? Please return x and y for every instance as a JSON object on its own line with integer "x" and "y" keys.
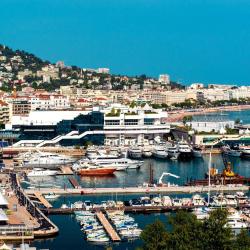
{"x": 66, "y": 170}
{"x": 109, "y": 229}
{"x": 74, "y": 183}
{"x": 40, "y": 197}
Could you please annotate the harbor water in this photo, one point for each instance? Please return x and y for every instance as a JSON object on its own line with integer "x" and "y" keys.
{"x": 70, "y": 234}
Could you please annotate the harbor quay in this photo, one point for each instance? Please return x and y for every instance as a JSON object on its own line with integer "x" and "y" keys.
{"x": 141, "y": 190}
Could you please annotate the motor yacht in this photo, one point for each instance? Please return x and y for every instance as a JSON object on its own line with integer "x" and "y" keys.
{"x": 166, "y": 201}
{"x": 234, "y": 152}
{"x": 241, "y": 198}
{"x": 51, "y": 196}
{"x": 120, "y": 164}
{"x": 197, "y": 151}
{"x": 236, "y": 224}
{"x": 184, "y": 149}
{"x": 147, "y": 151}
{"x": 231, "y": 200}
{"x": 177, "y": 202}
{"x": 38, "y": 172}
{"x": 219, "y": 201}
{"x": 46, "y": 160}
{"x": 159, "y": 151}
{"x": 201, "y": 213}
{"x": 135, "y": 152}
{"x": 197, "y": 200}
{"x": 173, "y": 152}
{"x": 245, "y": 151}
{"x": 91, "y": 169}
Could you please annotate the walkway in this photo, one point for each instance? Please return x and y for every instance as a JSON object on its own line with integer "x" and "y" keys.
{"x": 42, "y": 200}
{"x": 141, "y": 190}
{"x": 110, "y": 230}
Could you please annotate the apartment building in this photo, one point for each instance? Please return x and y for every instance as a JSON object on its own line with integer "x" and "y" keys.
{"x": 4, "y": 112}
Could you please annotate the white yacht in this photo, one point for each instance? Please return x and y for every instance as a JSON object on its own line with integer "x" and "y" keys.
{"x": 135, "y": 152}
{"x": 46, "y": 160}
{"x": 51, "y": 196}
{"x": 245, "y": 151}
{"x": 236, "y": 224}
{"x": 38, "y": 172}
{"x": 227, "y": 150}
{"x": 147, "y": 151}
{"x": 159, "y": 151}
{"x": 184, "y": 149}
{"x": 120, "y": 163}
{"x": 173, "y": 152}
{"x": 198, "y": 200}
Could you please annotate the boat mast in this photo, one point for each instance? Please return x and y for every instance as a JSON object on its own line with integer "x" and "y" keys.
{"x": 209, "y": 176}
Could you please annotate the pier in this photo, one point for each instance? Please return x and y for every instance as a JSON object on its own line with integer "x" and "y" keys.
{"x": 74, "y": 183}
{"x": 133, "y": 209}
{"x": 40, "y": 197}
{"x": 109, "y": 229}
{"x": 141, "y": 190}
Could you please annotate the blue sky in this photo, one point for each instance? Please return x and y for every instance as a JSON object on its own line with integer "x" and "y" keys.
{"x": 192, "y": 40}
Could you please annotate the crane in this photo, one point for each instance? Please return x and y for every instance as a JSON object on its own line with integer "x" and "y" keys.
{"x": 167, "y": 174}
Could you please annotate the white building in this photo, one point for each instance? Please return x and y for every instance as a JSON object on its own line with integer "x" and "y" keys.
{"x": 164, "y": 79}
{"x": 103, "y": 70}
{"x": 211, "y": 126}
{"x": 129, "y": 126}
{"x": 49, "y": 102}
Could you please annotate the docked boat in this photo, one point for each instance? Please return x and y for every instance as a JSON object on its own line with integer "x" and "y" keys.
{"x": 201, "y": 213}
{"x": 160, "y": 152}
{"x": 130, "y": 233}
{"x": 166, "y": 201}
{"x": 51, "y": 196}
{"x": 197, "y": 152}
{"x": 120, "y": 163}
{"x": 147, "y": 151}
{"x": 184, "y": 149}
{"x": 90, "y": 169}
{"x": 197, "y": 200}
{"x": 236, "y": 224}
{"x": 38, "y": 172}
{"x": 234, "y": 152}
{"x": 46, "y": 160}
{"x": 173, "y": 152}
{"x": 98, "y": 239}
{"x": 245, "y": 151}
{"x": 135, "y": 152}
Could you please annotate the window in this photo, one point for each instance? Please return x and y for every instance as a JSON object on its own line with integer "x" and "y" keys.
{"x": 131, "y": 122}
{"x": 112, "y": 122}
{"x": 148, "y": 121}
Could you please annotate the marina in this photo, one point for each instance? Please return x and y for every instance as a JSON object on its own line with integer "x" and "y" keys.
{"x": 108, "y": 187}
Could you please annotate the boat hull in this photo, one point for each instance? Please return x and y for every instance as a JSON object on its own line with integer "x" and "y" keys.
{"x": 96, "y": 172}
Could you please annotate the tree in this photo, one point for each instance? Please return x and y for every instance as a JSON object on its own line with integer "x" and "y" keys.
{"x": 186, "y": 119}
{"x": 242, "y": 240}
{"x": 187, "y": 232}
{"x": 155, "y": 236}
{"x": 190, "y": 234}
{"x": 217, "y": 235}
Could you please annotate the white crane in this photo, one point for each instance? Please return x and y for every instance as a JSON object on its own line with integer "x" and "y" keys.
{"x": 167, "y": 174}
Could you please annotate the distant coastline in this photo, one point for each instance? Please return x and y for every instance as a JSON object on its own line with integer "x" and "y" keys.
{"x": 177, "y": 116}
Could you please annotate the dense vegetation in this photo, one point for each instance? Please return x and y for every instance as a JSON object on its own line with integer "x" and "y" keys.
{"x": 187, "y": 233}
